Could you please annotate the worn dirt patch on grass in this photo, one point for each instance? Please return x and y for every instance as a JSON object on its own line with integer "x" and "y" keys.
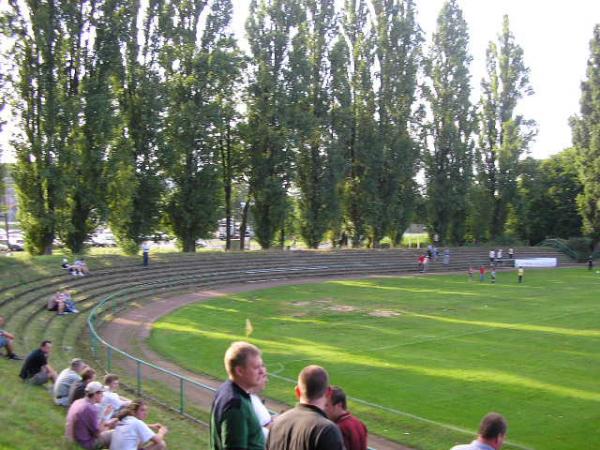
{"x": 342, "y": 308}
{"x": 300, "y": 303}
{"x": 383, "y": 313}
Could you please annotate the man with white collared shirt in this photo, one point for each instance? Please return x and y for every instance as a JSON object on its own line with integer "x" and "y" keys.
{"x": 492, "y": 433}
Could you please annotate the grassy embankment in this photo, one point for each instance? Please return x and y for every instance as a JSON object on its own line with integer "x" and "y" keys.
{"x": 28, "y": 414}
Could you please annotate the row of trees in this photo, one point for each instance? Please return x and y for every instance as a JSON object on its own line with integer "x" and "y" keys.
{"x": 150, "y": 116}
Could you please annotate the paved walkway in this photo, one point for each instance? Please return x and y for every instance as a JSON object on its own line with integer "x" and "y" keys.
{"x": 131, "y": 329}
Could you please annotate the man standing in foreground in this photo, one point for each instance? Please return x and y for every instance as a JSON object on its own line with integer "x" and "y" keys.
{"x": 233, "y": 424}
{"x": 306, "y": 426}
{"x": 492, "y": 432}
{"x": 353, "y": 430}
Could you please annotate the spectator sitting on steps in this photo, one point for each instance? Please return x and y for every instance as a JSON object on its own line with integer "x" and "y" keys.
{"x": 57, "y": 303}
{"x": 83, "y": 423}
{"x": 112, "y": 402}
{"x": 132, "y": 433}
{"x": 77, "y": 390}
{"x": 81, "y": 266}
{"x": 62, "y": 303}
{"x": 66, "y": 379}
{"x": 36, "y": 369}
{"x": 6, "y": 341}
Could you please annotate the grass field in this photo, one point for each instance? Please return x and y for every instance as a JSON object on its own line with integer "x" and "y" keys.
{"x": 426, "y": 357}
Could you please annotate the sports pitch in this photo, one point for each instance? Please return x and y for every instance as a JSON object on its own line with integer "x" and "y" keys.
{"x": 425, "y": 357}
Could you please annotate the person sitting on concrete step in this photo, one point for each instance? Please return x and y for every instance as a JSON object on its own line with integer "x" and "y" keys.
{"x": 6, "y": 341}
{"x": 66, "y": 379}
{"x": 36, "y": 369}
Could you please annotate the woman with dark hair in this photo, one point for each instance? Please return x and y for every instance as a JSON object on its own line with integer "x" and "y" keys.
{"x": 132, "y": 433}
{"x": 77, "y": 389}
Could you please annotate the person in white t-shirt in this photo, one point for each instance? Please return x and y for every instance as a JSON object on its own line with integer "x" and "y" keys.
{"x": 132, "y": 433}
{"x": 111, "y": 401}
{"x": 260, "y": 410}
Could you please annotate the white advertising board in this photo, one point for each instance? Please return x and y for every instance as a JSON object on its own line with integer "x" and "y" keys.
{"x": 536, "y": 262}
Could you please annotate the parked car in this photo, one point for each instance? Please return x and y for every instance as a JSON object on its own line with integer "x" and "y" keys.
{"x": 104, "y": 240}
{"x": 17, "y": 246}
{"x": 13, "y": 245}
{"x": 160, "y": 236}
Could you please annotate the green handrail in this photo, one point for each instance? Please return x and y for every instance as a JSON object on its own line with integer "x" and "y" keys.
{"x": 560, "y": 246}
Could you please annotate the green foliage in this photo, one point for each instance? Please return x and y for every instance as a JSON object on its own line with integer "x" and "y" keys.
{"x": 131, "y": 115}
{"x": 449, "y": 161}
{"x": 268, "y": 29}
{"x": 586, "y": 138}
{"x": 480, "y": 213}
{"x": 200, "y": 82}
{"x": 354, "y": 121}
{"x": 582, "y": 246}
{"x": 36, "y": 50}
{"x": 398, "y": 52}
{"x": 532, "y": 211}
{"x": 563, "y": 187}
{"x": 135, "y": 181}
{"x": 308, "y": 118}
{"x": 545, "y": 205}
{"x": 503, "y": 134}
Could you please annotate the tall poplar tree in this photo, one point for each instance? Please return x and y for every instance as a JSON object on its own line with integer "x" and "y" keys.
{"x": 269, "y": 25}
{"x": 308, "y": 118}
{"x": 504, "y": 135}
{"x": 91, "y": 53}
{"x": 34, "y": 30}
{"x": 342, "y": 135}
{"x": 399, "y": 56}
{"x": 586, "y": 138}
{"x": 450, "y": 157}
{"x": 134, "y": 178}
{"x": 201, "y": 66}
{"x": 354, "y": 126}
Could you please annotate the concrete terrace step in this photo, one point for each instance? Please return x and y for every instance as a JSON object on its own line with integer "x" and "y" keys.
{"x": 268, "y": 261}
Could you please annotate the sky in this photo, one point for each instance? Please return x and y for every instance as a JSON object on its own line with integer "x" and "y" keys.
{"x": 555, "y": 39}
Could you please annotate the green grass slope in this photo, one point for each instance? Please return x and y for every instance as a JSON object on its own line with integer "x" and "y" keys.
{"x": 29, "y": 417}
{"x": 31, "y": 421}
{"x": 427, "y": 356}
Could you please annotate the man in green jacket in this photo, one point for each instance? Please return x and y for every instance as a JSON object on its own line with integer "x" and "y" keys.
{"x": 233, "y": 423}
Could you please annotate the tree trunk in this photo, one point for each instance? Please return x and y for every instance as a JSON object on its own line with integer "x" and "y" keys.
{"x": 189, "y": 244}
{"x": 244, "y": 223}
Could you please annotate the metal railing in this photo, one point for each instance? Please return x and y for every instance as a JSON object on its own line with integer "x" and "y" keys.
{"x": 107, "y": 355}
{"x": 560, "y": 246}
{"x": 577, "y": 255}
